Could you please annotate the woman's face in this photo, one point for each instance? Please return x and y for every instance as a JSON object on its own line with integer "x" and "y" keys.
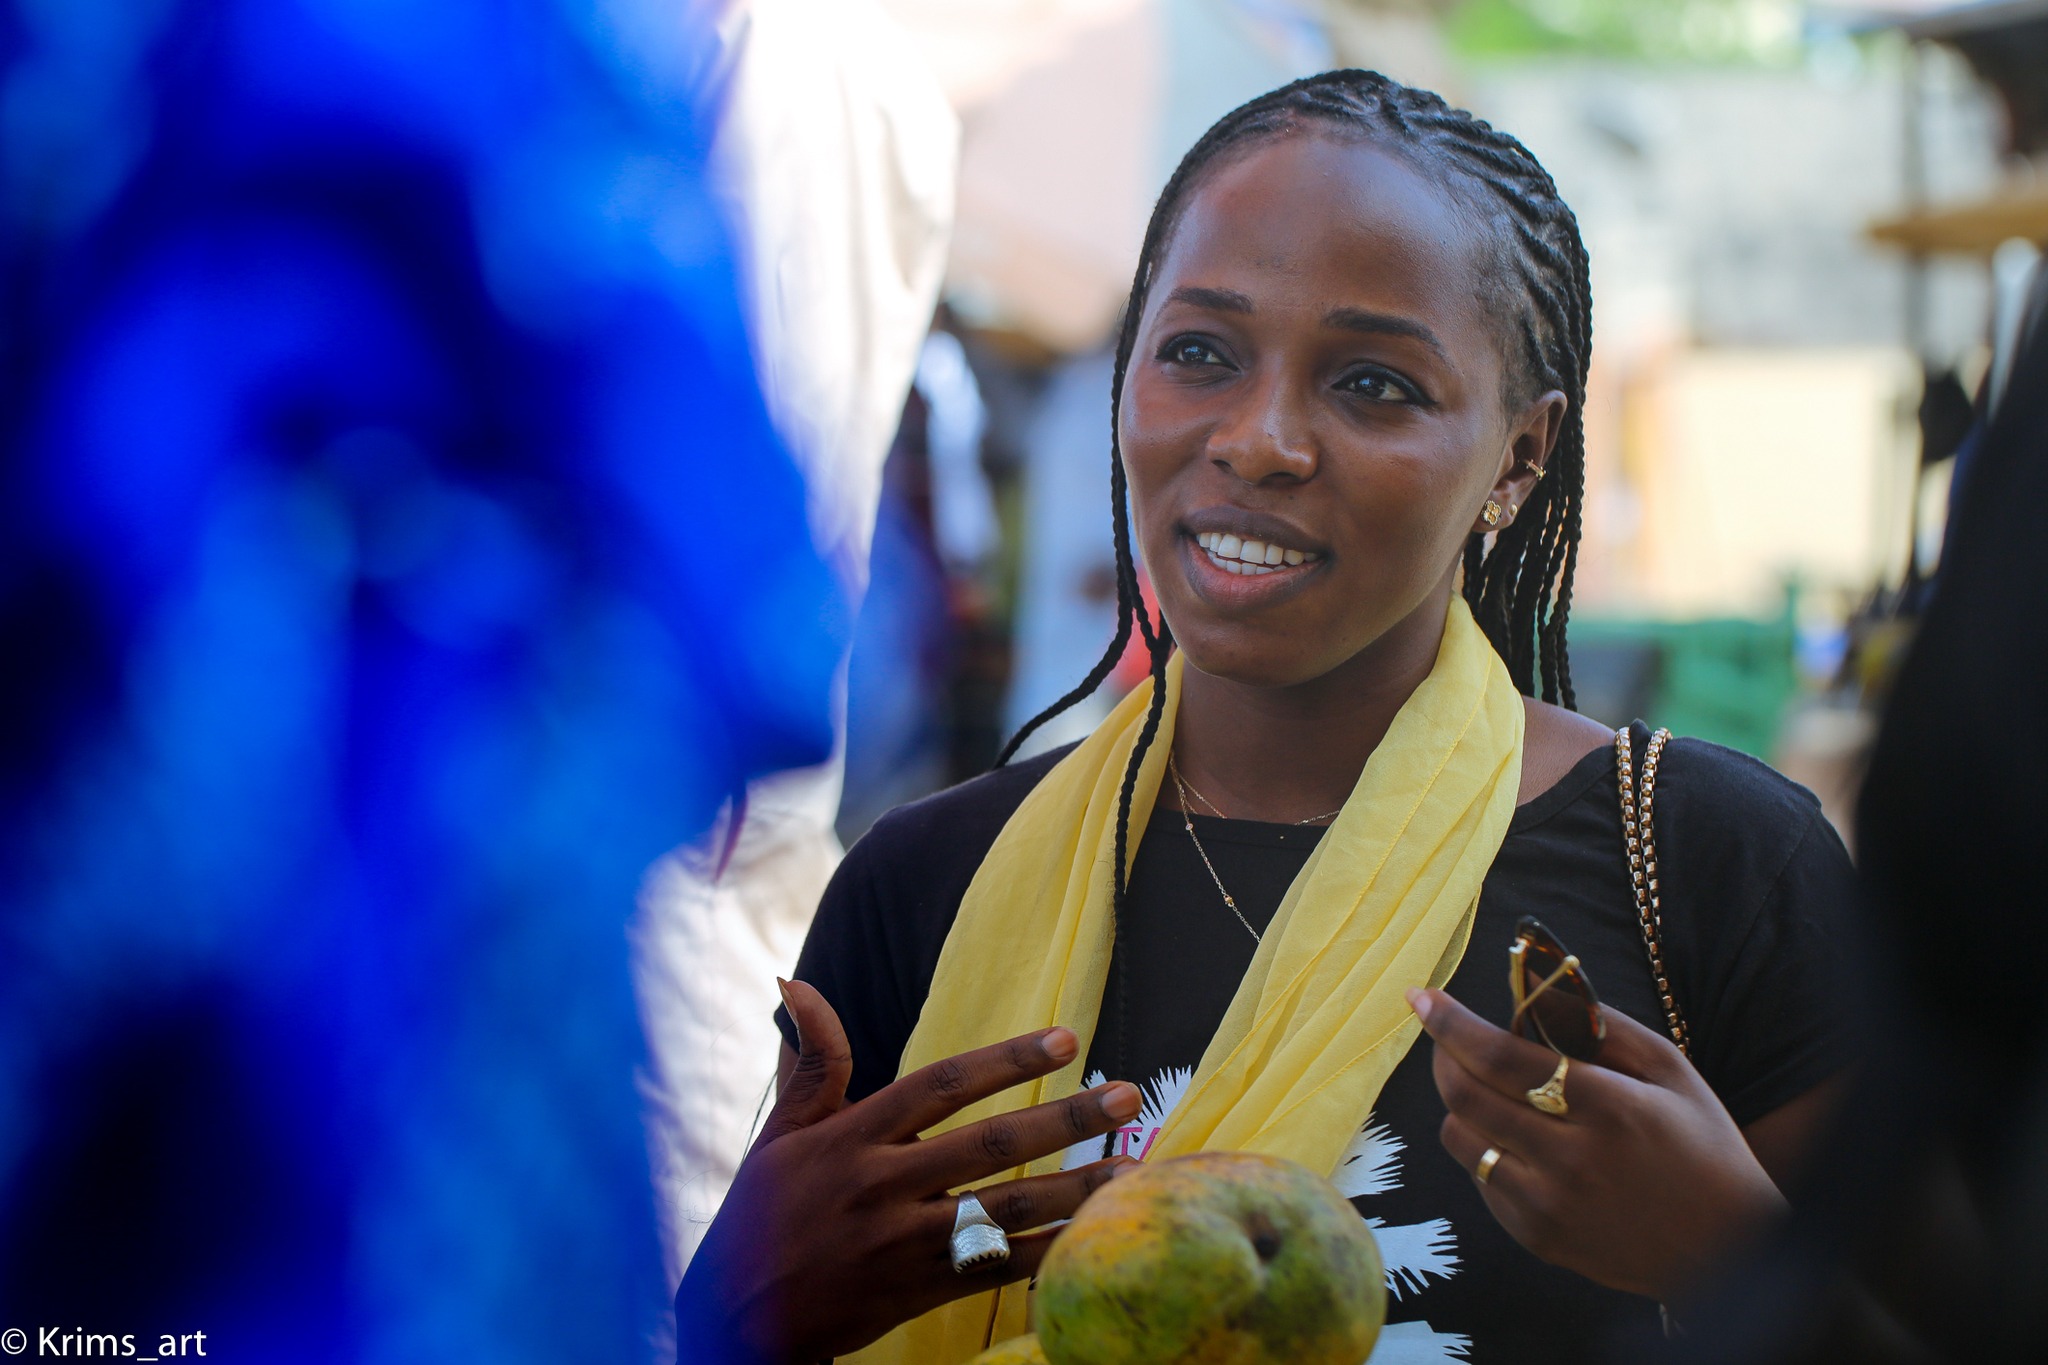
{"x": 1316, "y": 384}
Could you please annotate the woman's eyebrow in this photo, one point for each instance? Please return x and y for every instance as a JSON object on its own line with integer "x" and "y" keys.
{"x": 1383, "y": 324}
{"x": 1221, "y": 300}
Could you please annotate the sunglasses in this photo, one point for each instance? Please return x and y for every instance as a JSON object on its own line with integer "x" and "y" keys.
{"x": 1554, "y": 1001}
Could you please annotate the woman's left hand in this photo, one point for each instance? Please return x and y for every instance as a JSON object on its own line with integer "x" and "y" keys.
{"x": 1644, "y": 1184}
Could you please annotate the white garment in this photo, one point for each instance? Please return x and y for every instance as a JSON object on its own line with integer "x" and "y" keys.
{"x": 835, "y": 155}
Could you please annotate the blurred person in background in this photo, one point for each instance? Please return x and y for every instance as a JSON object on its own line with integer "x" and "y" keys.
{"x": 927, "y": 611}
{"x": 397, "y": 556}
{"x": 833, "y": 157}
{"x": 963, "y": 513}
{"x": 1346, "y": 414}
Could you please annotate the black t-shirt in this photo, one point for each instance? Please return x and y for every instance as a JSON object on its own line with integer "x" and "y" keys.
{"x": 1753, "y": 882}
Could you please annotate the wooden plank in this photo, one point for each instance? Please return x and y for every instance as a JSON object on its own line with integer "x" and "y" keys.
{"x": 1975, "y": 228}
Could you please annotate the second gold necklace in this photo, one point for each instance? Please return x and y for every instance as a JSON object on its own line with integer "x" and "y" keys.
{"x": 1181, "y": 787}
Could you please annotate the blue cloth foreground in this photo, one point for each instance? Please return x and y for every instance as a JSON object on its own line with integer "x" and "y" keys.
{"x": 394, "y": 557}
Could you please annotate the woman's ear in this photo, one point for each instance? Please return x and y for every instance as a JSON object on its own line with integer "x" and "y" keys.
{"x": 1532, "y": 435}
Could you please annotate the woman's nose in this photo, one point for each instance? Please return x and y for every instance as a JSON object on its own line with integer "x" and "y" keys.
{"x": 1263, "y": 435}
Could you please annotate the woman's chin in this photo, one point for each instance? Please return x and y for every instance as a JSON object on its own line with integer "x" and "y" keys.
{"x": 1223, "y": 651}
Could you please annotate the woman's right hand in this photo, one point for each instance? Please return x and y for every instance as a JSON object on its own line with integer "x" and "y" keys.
{"x": 839, "y": 1222}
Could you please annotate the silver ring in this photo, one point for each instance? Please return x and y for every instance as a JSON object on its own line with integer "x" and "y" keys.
{"x": 978, "y": 1242}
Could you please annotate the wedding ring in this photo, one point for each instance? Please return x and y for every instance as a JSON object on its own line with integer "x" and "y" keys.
{"x": 1483, "y": 1172}
{"x": 978, "y": 1242}
{"x": 1549, "y": 1096}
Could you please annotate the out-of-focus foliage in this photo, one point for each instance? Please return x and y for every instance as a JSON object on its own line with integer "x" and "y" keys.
{"x": 1651, "y": 30}
{"x": 395, "y": 556}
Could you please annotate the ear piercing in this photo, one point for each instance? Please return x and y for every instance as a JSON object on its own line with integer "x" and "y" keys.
{"x": 1491, "y": 513}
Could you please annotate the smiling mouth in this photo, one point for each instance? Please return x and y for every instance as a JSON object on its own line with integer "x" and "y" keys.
{"x": 1235, "y": 555}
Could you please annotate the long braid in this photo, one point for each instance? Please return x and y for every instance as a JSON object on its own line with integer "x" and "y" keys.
{"x": 1120, "y": 873}
{"x": 1519, "y": 585}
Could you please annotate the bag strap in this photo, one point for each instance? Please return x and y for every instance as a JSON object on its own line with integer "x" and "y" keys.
{"x": 1640, "y": 838}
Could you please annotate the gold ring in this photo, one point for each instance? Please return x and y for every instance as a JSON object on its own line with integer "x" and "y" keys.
{"x": 1549, "y": 1096}
{"x": 1483, "y": 1172}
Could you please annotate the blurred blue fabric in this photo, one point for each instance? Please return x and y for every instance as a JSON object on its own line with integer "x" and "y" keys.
{"x": 395, "y": 556}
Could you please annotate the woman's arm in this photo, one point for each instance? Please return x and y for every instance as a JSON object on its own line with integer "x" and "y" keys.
{"x": 1784, "y": 1139}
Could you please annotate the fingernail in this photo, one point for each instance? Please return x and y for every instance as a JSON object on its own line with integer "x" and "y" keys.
{"x": 1120, "y": 1100}
{"x": 1123, "y": 1166}
{"x": 1418, "y": 1000}
{"x": 1060, "y": 1044}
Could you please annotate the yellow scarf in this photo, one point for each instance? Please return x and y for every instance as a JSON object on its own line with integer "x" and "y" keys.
{"x": 1321, "y": 1019}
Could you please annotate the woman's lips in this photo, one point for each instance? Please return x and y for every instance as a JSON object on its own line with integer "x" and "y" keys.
{"x": 1222, "y": 568}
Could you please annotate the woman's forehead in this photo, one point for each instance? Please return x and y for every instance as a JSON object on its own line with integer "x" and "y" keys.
{"x": 1328, "y": 220}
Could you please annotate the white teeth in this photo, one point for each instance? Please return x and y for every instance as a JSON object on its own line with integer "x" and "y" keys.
{"x": 1241, "y": 556}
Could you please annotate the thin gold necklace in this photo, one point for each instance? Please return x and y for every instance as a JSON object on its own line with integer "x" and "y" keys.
{"x": 1181, "y": 786}
{"x": 1187, "y": 788}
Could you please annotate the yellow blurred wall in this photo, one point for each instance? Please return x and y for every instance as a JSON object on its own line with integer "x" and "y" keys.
{"x": 1716, "y": 473}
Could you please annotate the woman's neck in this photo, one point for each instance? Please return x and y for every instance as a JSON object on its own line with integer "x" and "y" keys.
{"x": 1284, "y": 754}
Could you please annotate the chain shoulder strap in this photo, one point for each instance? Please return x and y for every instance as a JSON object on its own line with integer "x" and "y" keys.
{"x": 1639, "y": 835}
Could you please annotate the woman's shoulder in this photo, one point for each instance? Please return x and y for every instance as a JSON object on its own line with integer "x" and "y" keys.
{"x": 958, "y": 825}
{"x": 1729, "y": 824}
{"x": 1731, "y": 793}
{"x": 1725, "y": 787}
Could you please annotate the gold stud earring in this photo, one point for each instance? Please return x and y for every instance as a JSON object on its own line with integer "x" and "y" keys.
{"x": 1490, "y": 514}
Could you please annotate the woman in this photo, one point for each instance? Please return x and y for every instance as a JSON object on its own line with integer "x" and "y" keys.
{"x": 1349, "y": 380}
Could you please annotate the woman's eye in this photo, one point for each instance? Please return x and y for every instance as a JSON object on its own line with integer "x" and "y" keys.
{"x": 1189, "y": 351}
{"x": 1379, "y": 387}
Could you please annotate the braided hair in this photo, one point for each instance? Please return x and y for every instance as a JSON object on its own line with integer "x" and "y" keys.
{"x": 1534, "y": 281}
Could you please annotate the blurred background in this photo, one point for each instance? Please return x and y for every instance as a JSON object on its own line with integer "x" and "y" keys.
{"x": 1806, "y": 222}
